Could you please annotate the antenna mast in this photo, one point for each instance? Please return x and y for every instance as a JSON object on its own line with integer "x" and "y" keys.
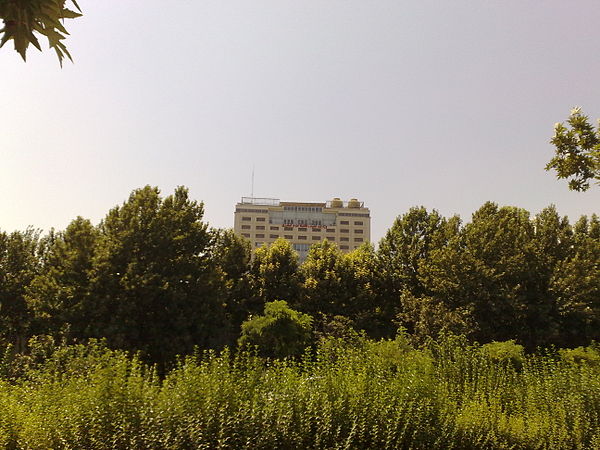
{"x": 252, "y": 191}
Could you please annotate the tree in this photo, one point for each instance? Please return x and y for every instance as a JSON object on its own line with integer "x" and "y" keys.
{"x": 58, "y": 295}
{"x": 24, "y": 18}
{"x": 326, "y": 274}
{"x": 577, "y": 151}
{"x": 405, "y": 246}
{"x": 576, "y": 286}
{"x": 274, "y": 274}
{"x": 279, "y": 333}
{"x": 19, "y": 264}
{"x": 154, "y": 287}
{"x": 231, "y": 255}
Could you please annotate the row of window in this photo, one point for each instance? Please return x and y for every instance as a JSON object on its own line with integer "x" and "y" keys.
{"x": 303, "y": 208}
{"x": 314, "y": 223}
{"x": 314, "y": 230}
{"x": 300, "y": 238}
{"x": 261, "y": 211}
{"x": 303, "y": 247}
{"x": 353, "y": 215}
{"x": 306, "y": 222}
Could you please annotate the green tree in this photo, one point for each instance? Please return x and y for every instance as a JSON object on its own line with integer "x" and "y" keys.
{"x": 231, "y": 256}
{"x": 403, "y": 252}
{"x": 577, "y": 154}
{"x": 279, "y": 333}
{"x": 60, "y": 293}
{"x": 364, "y": 286}
{"x": 154, "y": 287}
{"x": 491, "y": 270}
{"x": 19, "y": 264}
{"x": 274, "y": 274}
{"x": 405, "y": 246}
{"x": 23, "y": 19}
{"x": 576, "y": 286}
{"x": 325, "y": 273}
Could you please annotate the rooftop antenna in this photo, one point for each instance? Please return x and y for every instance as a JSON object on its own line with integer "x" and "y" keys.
{"x": 252, "y": 191}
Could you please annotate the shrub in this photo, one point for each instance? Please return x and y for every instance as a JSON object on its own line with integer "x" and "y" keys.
{"x": 281, "y": 332}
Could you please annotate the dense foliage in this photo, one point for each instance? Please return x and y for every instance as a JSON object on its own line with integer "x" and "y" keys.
{"x": 316, "y": 360}
{"x": 367, "y": 394}
{"x": 153, "y": 278}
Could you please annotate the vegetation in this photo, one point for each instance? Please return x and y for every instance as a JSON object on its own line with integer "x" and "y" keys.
{"x": 152, "y": 330}
{"x": 23, "y": 19}
{"x": 153, "y": 278}
{"x": 368, "y": 394}
{"x": 577, "y": 151}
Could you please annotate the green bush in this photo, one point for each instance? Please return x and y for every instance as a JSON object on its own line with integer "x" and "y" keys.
{"x": 506, "y": 352}
{"x": 581, "y": 355}
{"x": 281, "y": 332}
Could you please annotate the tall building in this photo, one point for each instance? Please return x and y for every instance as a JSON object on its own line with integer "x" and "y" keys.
{"x": 262, "y": 220}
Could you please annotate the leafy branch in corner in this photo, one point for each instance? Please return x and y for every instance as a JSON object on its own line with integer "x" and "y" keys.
{"x": 23, "y": 19}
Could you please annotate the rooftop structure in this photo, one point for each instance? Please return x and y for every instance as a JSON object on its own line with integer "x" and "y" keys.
{"x": 263, "y": 220}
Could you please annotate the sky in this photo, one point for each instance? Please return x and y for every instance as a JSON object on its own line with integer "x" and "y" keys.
{"x": 399, "y": 104}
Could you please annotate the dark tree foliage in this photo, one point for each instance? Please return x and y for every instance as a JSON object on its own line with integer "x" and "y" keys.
{"x": 19, "y": 264}
{"x": 274, "y": 275}
{"x": 153, "y": 285}
{"x": 59, "y": 295}
{"x": 153, "y": 278}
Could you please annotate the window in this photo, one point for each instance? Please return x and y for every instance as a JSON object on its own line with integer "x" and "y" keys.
{"x": 316, "y": 238}
{"x": 344, "y": 222}
{"x": 260, "y": 227}
{"x": 260, "y": 219}
{"x": 246, "y": 227}
{"x": 275, "y": 228}
{"x": 275, "y": 236}
{"x": 288, "y": 229}
{"x": 301, "y": 229}
{"x": 302, "y": 238}
{"x": 358, "y": 231}
{"x": 330, "y": 238}
{"x": 330, "y": 230}
{"x": 316, "y": 230}
{"x": 358, "y": 239}
{"x": 246, "y": 235}
{"x": 301, "y": 247}
{"x": 264, "y": 211}
{"x": 259, "y": 236}
{"x": 246, "y": 219}
{"x": 358, "y": 222}
{"x": 258, "y": 244}
{"x": 344, "y": 247}
{"x": 344, "y": 231}
{"x": 288, "y": 236}
{"x": 344, "y": 239}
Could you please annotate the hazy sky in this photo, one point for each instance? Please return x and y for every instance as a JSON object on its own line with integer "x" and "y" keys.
{"x": 445, "y": 104}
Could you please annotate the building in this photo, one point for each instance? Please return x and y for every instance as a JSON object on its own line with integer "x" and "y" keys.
{"x": 263, "y": 220}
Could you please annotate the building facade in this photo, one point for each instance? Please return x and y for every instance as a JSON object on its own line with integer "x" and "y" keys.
{"x": 263, "y": 220}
